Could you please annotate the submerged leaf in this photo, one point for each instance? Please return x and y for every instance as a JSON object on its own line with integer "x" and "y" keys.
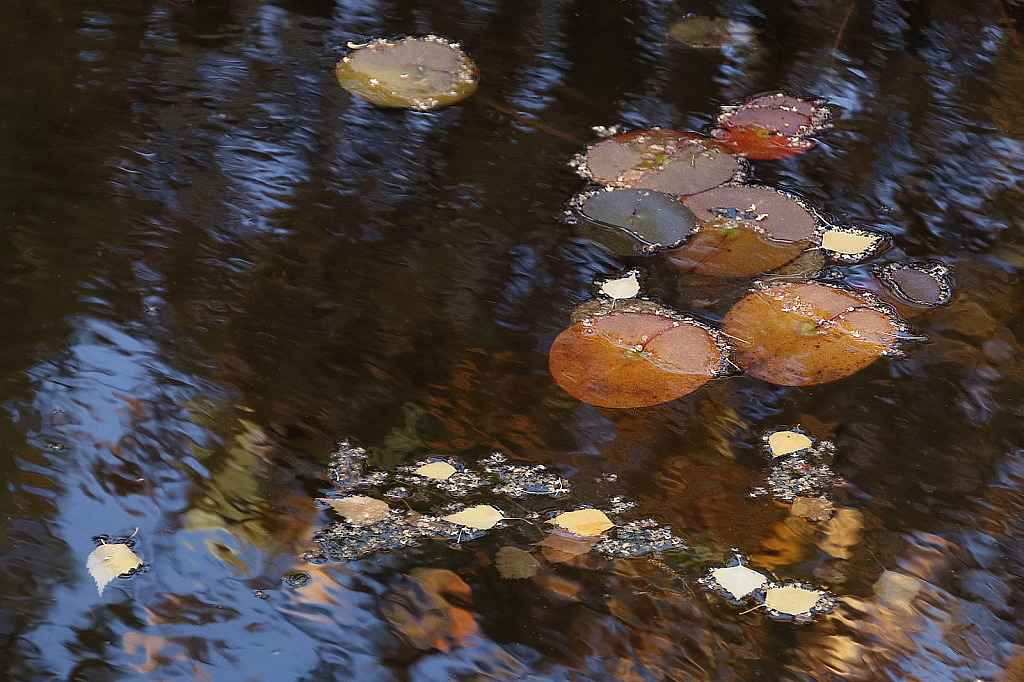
{"x": 110, "y": 560}
{"x": 811, "y": 508}
{"x": 359, "y": 509}
{"x": 669, "y": 161}
{"x": 805, "y": 334}
{"x": 710, "y": 32}
{"x": 744, "y": 231}
{"x": 583, "y": 522}
{"x": 634, "y": 359}
{"x": 633, "y": 221}
{"x": 416, "y": 73}
{"x": 515, "y": 564}
{"x": 478, "y": 517}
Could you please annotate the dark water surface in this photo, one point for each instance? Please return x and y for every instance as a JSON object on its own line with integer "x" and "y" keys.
{"x": 214, "y": 264}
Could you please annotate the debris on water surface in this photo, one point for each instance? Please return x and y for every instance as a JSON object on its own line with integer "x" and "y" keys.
{"x": 296, "y": 579}
{"x": 111, "y": 560}
{"x": 744, "y": 230}
{"x": 734, "y": 581}
{"x": 449, "y": 475}
{"x": 634, "y": 359}
{"x": 640, "y": 537}
{"x": 794, "y": 600}
{"x": 784, "y": 442}
{"x": 669, "y": 161}
{"x": 921, "y": 284}
{"x": 812, "y": 508}
{"x": 849, "y": 245}
{"x": 710, "y": 32}
{"x": 515, "y": 564}
{"x": 415, "y": 73}
{"x": 620, "y": 505}
{"x": 345, "y": 541}
{"x": 796, "y": 476}
{"x": 358, "y": 509}
{"x": 583, "y": 522}
{"x": 345, "y": 465}
{"x": 807, "y": 334}
{"x": 398, "y": 492}
{"x": 477, "y": 517}
{"x": 631, "y": 221}
{"x": 619, "y": 287}
{"x": 522, "y": 480}
{"x": 774, "y": 126}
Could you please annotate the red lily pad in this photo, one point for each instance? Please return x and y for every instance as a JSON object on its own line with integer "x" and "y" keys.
{"x": 634, "y": 359}
{"x": 806, "y": 334}
{"x": 416, "y": 73}
{"x": 815, "y": 111}
{"x": 772, "y": 126}
{"x": 744, "y": 231}
{"x": 670, "y": 161}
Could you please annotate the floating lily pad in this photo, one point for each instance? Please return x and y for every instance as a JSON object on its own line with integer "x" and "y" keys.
{"x": 805, "y": 334}
{"x": 633, "y": 221}
{"x": 634, "y": 359}
{"x": 773, "y": 126}
{"x": 669, "y": 161}
{"x": 710, "y": 32}
{"x": 851, "y": 244}
{"x": 415, "y": 73}
{"x": 744, "y": 231}
{"x": 921, "y": 284}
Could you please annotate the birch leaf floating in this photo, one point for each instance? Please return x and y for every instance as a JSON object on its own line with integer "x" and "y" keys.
{"x": 744, "y": 231}
{"x": 110, "y": 560}
{"x": 795, "y": 601}
{"x": 415, "y": 73}
{"x": 583, "y": 522}
{"x": 669, "y": 161}
{"x": 806, "y": 334}
{"x": 622, "y": 287}
{"x": 359, "y": 509}
{"x": 437, "y": 471}
{"x": 634, "y": 359}
{"x": 851, "y": 244}
{"x": 734, "y": 581}
{"x": 773, "y": 126}
{"x": 786, "y": 442}
{"x": 477, "y": 517}
{"x": 632, "y": 221}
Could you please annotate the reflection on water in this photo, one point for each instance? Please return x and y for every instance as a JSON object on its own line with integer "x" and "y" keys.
{"x": 215, "y": 264}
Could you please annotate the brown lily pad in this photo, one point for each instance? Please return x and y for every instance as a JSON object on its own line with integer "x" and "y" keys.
{"x": 774, "y": 126}
{"x": 806, "y": 334}
{"x": 670, "y": 161}
{"x": 415, "y": 73}
{"x": 634, "y": 359}
{"x": 743, "y": 231}
{"x": 920, "y": 284}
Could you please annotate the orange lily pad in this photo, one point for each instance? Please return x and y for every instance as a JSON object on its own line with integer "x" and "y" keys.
{"x": 634, "y": 359}
{"x": 744, "y": 231}
{"x": 670, "y": 161}
{"x": 806, "y": 334}
{"x": 415, "y": 73}
{"x": 772, "y": 126}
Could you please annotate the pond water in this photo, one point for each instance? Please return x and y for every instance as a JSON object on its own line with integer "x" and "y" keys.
{"x": 215, "y": 264}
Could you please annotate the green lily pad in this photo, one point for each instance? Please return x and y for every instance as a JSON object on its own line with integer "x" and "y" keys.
{"x": 632, "y": 221}
{"x": 414, "y": 73}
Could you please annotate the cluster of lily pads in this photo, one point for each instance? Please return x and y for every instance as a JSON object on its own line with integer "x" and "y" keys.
{"x": 691, "y": 197}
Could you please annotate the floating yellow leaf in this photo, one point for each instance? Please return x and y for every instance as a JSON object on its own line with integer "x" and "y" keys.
{"x": 739, "y": 581}
{"x": 627, "y": 286}
{"x": 109, "y": 561}
{"x": 585, "y": 522}
{"x": 438, "y": 471}
{"x": 792, "y": 600}
{"x": 849, "y": 243}
{"x": 782, "y": 443}
{"x": 360, "y": 509}
{"x": 478, "y": 517}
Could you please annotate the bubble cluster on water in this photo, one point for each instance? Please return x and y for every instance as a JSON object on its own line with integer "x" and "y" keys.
{"x": 640, "y": 537}
{"x": 803, "y": 473}
{"x": 523, "y": 480}
{"x": 460, "y": 483}
{"x": 345, "y": 465}
{"x": 345, "y": 541}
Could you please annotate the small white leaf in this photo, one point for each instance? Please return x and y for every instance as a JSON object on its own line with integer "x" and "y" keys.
{"x": 478, "y": 517}
{"x": 438, "y": 471}
{"x": 792, "y": 600}
{"x": 849, "y": 243}
{"x": 739, "y": 581}
{"x": 108, "y": 561}
{"x": 585, "y": 522}
{"x": 782, "y": 443}
{"x": 624, "y": 287}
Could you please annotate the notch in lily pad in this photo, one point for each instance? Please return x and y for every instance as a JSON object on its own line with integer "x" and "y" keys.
{"x": 632, "y": 221}
{"x": 807, "y": 334}
{"x": 421, "y": 73}
{"x": 625, "y": 360}
{"x": 670, "y": 161}
{"x": 920, "y": 284}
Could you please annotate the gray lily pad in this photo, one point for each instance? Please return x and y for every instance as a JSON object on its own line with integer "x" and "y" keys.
{"x": 633, "y": 221}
